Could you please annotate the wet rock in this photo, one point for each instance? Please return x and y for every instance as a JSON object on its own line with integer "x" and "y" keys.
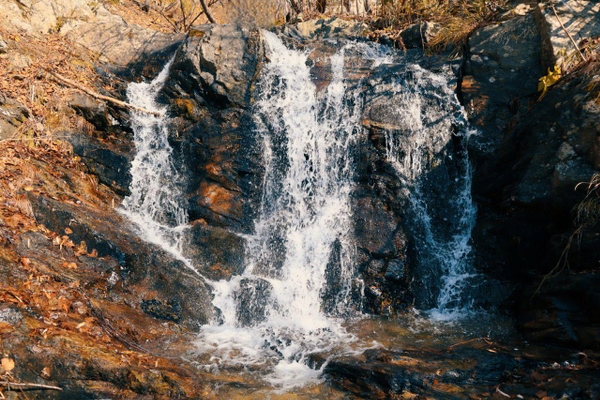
{"x": 12, "y": 115}
{"x": 110, "y": 162}
{"x": 210, "y": 93}
{"x": 219, "y": 252}
{"x": 384, "y": 373}
{"x": 386, "y": 227}
{"x": 501, "y": 77}
{"x": 378, "y": 232}
{"x": 252, "y": 299}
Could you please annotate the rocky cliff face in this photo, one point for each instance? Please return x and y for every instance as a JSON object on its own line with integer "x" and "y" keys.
{"x": 534, "y": 158}
{"x": 87, "y": 305}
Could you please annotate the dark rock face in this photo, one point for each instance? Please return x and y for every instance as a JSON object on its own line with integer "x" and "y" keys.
{"x": 209, "y": 88}
{"x": 531, "y": 183}
{"x": 162, "y": 286}
{"x": 110, "y": 162}
{"x": 530, "y": 161}
{"x": 501, "y": 76}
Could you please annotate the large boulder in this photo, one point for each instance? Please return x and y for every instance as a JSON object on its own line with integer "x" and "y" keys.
{"x": 501, "y": 76}
{"x": 534, "y": 221}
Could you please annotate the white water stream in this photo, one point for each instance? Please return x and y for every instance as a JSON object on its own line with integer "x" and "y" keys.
{"x": 443, "y": 245}
{"x": 275, "y": 309}
{"x": 156, "y": 203}
{"x": 274, "y": 316}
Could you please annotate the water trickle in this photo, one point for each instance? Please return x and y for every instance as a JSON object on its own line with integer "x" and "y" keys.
{"x": 442, "y": 213}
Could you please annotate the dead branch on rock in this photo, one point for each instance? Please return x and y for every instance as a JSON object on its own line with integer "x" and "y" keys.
{"x": 61, "y": 79}
{"x": 30, "y": 386}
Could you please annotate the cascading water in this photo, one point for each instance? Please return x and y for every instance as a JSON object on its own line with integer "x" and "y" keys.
{"x": 442, "y": 213}
{"x": 156, "y": 203}
{"x": 304, "y": 228}
{"x": 301, "y": 279}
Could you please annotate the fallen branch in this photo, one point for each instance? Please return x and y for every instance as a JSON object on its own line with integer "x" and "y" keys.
{"x": 32, "y": 386}
{"x": 118, "y": 102}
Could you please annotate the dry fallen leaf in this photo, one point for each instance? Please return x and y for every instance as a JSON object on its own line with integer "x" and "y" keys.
{"x": 68, "y": 231}
{"x": 8, "y": 364}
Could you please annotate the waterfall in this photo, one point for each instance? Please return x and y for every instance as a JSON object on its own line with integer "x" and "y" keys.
{"x": 442, "y": 213}
{"x": 156, "y": 203}
{"x": 301, "y": 280}
{"x": 304, "y": 229}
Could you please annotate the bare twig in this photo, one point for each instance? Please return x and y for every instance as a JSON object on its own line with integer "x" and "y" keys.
{"x": 583, "y": 57}
{"x": 32, "y": 386}
{"x": 208, "y": 15}
{"x": 92, "y": 93}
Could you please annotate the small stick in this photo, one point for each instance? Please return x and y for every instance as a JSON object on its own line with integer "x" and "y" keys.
{"x": 29, "y": 385}
{"x": 118, "y": 102}
{"x": 568, "y": 34}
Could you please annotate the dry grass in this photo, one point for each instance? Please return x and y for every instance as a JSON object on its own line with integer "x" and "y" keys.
{"x": 261, "y": 13}
{"x": 588, "y": 211}
{"x": 457, "y": 19}
{"x": 24, "y": 77}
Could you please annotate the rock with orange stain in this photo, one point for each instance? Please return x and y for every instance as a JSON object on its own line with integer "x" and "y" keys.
{"x": 217, "y": 205}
